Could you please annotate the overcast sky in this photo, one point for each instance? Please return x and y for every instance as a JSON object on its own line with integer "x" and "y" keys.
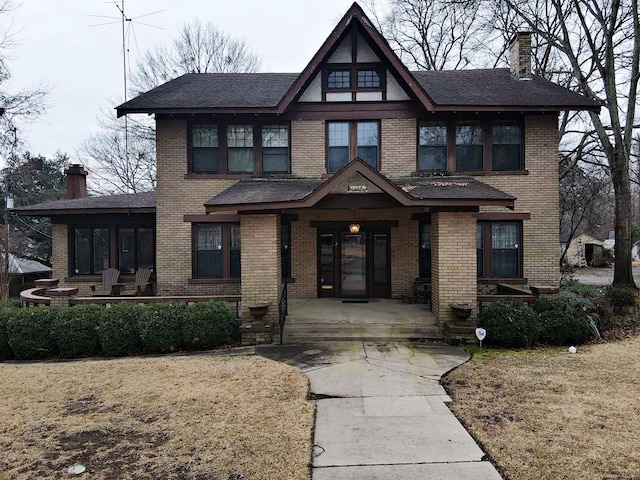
{"x": 82, "y": 64}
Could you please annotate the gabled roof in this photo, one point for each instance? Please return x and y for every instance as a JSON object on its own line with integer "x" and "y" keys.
{"x": 125, "y": 203}
{"x": 259, "y": 194}
{"x": 355, "y": 16}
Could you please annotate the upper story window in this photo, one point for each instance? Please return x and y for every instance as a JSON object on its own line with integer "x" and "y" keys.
{"x": 471, "y": 146}
{"x": 432, "y": 146}
{"x": 204, "y": 149}
{"x": 275, "y": 148}
{"x": 348, "y": 140}
{"x": 239, "y": 148}
{"x": 339, "y": 79}
{"x": 368, "y": 79}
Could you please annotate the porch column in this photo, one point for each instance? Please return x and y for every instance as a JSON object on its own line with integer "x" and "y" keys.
{"x": 453, "y": 262}
{"x": 260, "y": 263}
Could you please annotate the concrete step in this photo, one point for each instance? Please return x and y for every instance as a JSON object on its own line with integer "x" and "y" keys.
{"x": 296, "y": 332}
{"x": 338, "y": 320}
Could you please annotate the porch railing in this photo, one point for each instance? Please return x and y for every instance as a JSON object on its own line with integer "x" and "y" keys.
{"x": 283, "y": 309}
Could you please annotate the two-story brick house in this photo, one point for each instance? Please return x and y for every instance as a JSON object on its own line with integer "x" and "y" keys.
{"x": 350, "y": 179}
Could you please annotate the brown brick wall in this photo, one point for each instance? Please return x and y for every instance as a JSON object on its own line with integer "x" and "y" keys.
{"x": 453, "y": 260}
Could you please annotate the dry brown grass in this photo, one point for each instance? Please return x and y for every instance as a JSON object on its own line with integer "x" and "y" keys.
{"x": 552, "y": 415}
{"x": 176, "y": 417}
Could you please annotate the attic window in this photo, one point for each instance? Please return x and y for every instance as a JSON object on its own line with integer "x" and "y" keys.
{"x": 339, "y": 79}
{"x": 368, "y": 79}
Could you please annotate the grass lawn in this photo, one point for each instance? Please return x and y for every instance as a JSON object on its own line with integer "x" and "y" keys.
{"x": 547, "y": 414}
{"x": 178, "y": 417}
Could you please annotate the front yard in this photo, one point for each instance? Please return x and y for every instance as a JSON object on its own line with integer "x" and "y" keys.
{"x": 547, "y": 414}
{"x": 178, "y": 417}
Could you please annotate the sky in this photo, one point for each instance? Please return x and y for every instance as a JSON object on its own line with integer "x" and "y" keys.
{"x": 81, "y": 64}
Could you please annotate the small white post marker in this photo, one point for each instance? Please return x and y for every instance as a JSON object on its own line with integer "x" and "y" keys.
{"x": 480, "y": 334}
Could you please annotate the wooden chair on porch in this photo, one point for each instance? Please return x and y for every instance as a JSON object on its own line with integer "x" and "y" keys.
{"x": 109, "y": 279}
{"x": 140, "y": 285}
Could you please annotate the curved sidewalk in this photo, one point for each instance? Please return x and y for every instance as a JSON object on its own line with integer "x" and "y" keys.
{"x": 381, "y": 411}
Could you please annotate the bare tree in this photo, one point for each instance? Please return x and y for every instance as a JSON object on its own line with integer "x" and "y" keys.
{"x": 121, "y": 158}
{"x": 600, "y": 44}
{"x": 199, "y": 48}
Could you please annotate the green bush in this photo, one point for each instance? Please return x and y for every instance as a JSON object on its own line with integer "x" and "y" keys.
{"x": 208, "y": 325}
{"x": 510, "y": 323}
{"x": 29, "y": 332}
{"x": 564, "y": 327}
{"x": 622, "y": 297}
{"x": 118, "y": 330}
{"x": 6, "y": 312}
{"x": 161, "y": 327}
{"x": 74, "y": 330}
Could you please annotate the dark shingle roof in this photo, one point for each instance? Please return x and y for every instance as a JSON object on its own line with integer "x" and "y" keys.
{"x": 265, "y": 191}
{"x": 261, "y": 191}
{"x": 450, "y": 188}
{"x": 481, "y": 88}
{"x": 496, "y": 87}
{"x": 215, "y": 90}
{"x": 132, "y": 203}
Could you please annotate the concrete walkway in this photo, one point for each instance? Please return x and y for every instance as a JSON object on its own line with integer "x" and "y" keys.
{"x": 381, "y": 411}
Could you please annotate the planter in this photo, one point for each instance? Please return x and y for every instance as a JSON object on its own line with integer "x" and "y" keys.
{"x": 461, "y": 311}
{"x": 258, "y": 310}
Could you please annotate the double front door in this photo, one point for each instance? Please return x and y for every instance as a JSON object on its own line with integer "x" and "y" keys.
{"x": 354, "y": 265}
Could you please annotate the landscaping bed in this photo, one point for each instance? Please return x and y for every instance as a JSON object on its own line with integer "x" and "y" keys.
{"x": 177, "y": 417}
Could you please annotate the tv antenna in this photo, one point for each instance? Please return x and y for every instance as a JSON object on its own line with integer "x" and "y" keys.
{"x": 127, "y": 32}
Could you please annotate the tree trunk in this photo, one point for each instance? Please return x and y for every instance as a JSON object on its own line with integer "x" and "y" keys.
{"x": 623, "y": 271}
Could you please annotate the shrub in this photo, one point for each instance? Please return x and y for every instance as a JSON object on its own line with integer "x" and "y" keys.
{"x": 622, "y": 297}
{"x": 29, "y": 332}
{"x": 118, "y": 330}
{"x": 510, "y": 323}
{"x": 208, "y": 325}
{"x": 161, "y": 327}
{"x": 6, "y": 312}
{"x": 74, "y": 330}
{"x": 564, "y": 327}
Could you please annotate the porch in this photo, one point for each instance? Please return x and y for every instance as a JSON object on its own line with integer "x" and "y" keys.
{"x": 316, "y": 319}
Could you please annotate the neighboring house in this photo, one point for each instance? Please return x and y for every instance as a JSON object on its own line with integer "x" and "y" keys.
{"x": 585, "y": 250}
{"x": 350, "y": 179}
{"x": 23, "y": 272}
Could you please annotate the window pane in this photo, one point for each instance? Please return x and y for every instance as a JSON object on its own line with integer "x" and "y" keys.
{"x": 505, "y": 248}
{"x": 240, "y": 136}
{"x": 367, "y": 140}
{"x": 208, "y": 254}
{"x": 432, "y": 147}
{"x": 469, "y": 141}
{"x": 425, "y": 250}
{"x": 240, "y": 148}
{"x": 507, "y": 147}
{"x": 368, "y": 79}
{"x": 275, "y": 148}
{"x": 339, "y": 79}
{"x": 82, "y": 253}
{"x": 234, "y": 251}
{"x": 126, "y": 251}
{"x": 204, "y": 149}
{"x": 100, "y": 249}
{"x": 146, "y": 247}
{"x": 338, "y": 145}
{"x": 480, "y": 248}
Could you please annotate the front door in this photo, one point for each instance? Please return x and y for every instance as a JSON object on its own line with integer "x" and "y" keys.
{"x": 353, "y": 265}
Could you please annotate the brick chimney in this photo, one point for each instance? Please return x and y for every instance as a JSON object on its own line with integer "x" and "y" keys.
{"x": 76, "y": 181}
{"x": 520, "y": 55}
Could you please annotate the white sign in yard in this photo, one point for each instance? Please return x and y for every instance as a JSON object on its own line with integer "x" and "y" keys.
{"x": 481, "y": 333}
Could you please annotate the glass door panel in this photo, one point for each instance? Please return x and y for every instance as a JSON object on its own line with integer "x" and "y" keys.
{"x": 326, "y": 273}
{"x": 380, "y": 265}
{"x": 354, "y": 264}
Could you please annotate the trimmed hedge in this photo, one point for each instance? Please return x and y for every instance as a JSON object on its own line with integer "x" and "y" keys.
{"x": 207, "y": 325}
{"x": 74, "y": 330}
{"x": 29, "y": 332}
{"x": 510, "y": 323}
{"x": 118, "y": 330}
{"x": 564, "y": 328}
{"x": 5, "y": 350}
{"x": 161, "y": 327}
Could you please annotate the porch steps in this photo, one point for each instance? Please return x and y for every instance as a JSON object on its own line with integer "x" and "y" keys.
{"x": 303, "y": 330}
